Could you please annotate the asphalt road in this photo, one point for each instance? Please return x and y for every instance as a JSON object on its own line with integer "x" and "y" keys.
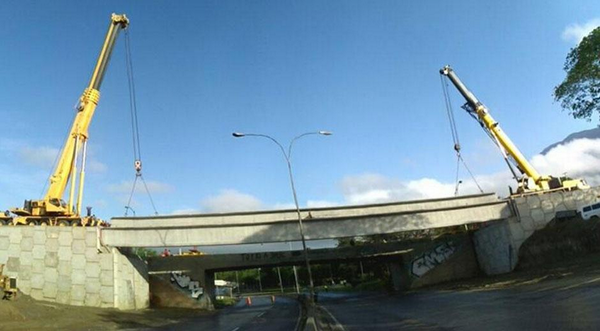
{"x": 571, "y": 304}
{"x": 261, "y": 315}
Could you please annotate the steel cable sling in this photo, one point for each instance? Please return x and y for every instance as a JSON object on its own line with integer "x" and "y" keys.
{"x": 137, "y": 154}
{"x": 454, "y": 131}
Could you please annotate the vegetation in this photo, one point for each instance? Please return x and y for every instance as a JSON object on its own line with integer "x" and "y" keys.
{"x": 579, "y": 92}
{"x": 144, "y": 253}
{"x": 327, "y": 277}
{"x": 225, "y": 302}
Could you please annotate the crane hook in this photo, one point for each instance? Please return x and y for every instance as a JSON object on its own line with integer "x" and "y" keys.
{"x": 138, "y": 167}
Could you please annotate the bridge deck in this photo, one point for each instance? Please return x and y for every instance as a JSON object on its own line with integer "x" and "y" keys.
{"x": 320, "y": 223}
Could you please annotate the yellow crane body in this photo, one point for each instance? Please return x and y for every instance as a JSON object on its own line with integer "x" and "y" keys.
{"x": 531, "y": 181}
{"x": 52, "y": 209}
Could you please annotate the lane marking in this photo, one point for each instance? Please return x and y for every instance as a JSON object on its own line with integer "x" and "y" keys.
{"x": 236, "y": 329}
{"x": 338, "y": 325}
{"x": 297, "y": 327}
{"x": 259, "y": 315}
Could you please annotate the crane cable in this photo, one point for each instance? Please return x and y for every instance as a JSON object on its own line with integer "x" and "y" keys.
{"x": 137, "y": 154}
{"x": 454, "y": 131}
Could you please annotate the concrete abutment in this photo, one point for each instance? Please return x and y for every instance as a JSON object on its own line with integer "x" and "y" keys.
{"x": 67, "y": 265}
{"x": 497, "y": 245}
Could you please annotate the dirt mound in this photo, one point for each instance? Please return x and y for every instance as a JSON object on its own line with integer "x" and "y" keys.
{"x": 25, "y": 313}
{"x": 165, "y": 294}
{"x": 560, "y": 241}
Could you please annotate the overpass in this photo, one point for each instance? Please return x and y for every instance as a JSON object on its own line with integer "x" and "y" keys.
{"x": 319, "y": 223}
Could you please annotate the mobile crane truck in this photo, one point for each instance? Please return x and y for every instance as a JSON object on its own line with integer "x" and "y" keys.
{"x": 52, "y": 209}
{"x": 530, "y": 180}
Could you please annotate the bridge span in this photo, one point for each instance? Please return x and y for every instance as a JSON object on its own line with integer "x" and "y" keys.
{"x": 319, "y": 223}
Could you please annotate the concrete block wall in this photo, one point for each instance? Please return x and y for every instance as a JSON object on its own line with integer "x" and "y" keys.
{"x": 66, "y": 265}
{"x": 131, "y": 281}
{"x": 497, "y": 245}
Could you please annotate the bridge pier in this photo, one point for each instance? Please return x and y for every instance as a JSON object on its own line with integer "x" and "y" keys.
{"x": 399, "y": 276}
{"x": 206, "y": 278}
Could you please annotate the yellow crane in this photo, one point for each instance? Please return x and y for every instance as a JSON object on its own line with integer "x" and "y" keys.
{"x": 530, "y": 180}
{"x": 52, "y": 209}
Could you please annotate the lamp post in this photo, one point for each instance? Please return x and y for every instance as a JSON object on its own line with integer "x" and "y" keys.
{"x": 288, "y": 157}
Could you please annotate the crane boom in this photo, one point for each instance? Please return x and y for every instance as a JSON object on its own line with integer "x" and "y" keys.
{"x": 532, "y": 181}
{"x": 85, "y": 111}
{"x": 52, "y": 205}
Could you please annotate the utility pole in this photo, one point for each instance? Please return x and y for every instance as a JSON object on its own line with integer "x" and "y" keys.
{"x": 280, "y": 282}
{"x": 259, "y": 281}
{"x": 362, "y": 272}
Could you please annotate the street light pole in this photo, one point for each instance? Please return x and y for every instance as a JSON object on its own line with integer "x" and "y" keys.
{"x": 287, "y": 157}
{"x": 259, "y": 281}
{"x": 280, "y": 281}
{"x": 295, "y": 273}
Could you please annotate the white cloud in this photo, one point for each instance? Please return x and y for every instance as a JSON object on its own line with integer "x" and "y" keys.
{"x": 44, "y": 156}
{"x": 38, "y": 156}
{"x": 320, "y": 203}
{"x": 185, "y": 211}
{"x": 578, "y": 158}
{"x": 95, "y": 166}
{"x": 231, "y": 201}
{"x": 280, "y": 206}
{"x": 575, "y": 32}
{"x": 376, "y": 188}
{"x": 153, "y": 186}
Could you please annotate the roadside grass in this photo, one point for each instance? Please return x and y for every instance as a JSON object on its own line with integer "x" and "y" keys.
{"x": 374, "y": 285}
{"x": 225, "y": 302}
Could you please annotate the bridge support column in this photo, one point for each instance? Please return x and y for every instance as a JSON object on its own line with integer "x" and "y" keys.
{"x": 398, "y": 275}
{"x": 207, "y": 282}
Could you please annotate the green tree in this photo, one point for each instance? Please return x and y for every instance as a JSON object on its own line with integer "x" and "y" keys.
{"x": 144, "y": 253}
{"x": 579, "y": 92}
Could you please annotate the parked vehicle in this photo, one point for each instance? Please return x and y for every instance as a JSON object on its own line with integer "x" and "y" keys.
{"x": 590, "y": 211}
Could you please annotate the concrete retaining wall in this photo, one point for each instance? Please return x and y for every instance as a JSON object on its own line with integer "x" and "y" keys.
{"x": 443, "y": 260}
{"x": 66, "y": 265}
{"x": 178, "y": 290}
{"x": 497, "y": 245}
{"x": 449, "y": 260}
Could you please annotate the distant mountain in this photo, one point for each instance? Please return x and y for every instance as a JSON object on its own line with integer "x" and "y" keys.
{"x": 590, "y": 134}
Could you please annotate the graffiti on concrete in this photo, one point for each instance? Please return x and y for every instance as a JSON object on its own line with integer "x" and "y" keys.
{"x": 425, "y": 262}
{"x": 186, "y": 283}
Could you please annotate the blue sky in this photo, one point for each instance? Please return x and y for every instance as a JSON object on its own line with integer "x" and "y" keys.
{"x": 368, "y": 71}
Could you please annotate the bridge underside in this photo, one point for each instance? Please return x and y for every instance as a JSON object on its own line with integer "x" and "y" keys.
{"x": 319, "y": 223}
{"x": 222, "y": 262}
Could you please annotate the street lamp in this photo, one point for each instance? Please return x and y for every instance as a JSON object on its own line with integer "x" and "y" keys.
{"x": 288, "y": 157}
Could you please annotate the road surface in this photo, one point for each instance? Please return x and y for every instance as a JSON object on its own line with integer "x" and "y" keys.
{"x": 566, "y": 304}
{"x": 261, "y": 315}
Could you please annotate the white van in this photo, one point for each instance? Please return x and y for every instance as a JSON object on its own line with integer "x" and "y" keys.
{"x": 590, "y": 211}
